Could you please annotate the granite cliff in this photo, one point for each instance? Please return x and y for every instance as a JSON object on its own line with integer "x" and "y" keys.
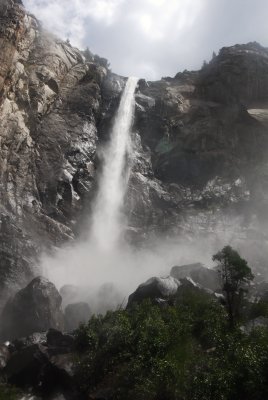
{"x": 199, "y": 144}
{"x": 50, "y": 107}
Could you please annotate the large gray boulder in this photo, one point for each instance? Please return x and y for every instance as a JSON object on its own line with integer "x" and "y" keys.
{"x": 156, "y": 289}
{"x": 207, "y": 278}
{"x": 170, "y": 289}
{"x": 36, "y": 308}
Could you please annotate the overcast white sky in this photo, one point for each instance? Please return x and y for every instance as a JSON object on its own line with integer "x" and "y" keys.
{"x": 154, "y": 38}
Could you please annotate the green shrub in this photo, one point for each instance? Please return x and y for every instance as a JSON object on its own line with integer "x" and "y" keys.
{"x": 8, "y": 392}
{"x": 184, "y": 351}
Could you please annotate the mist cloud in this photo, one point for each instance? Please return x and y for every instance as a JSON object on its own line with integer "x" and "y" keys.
{"x": 105, "y": 278}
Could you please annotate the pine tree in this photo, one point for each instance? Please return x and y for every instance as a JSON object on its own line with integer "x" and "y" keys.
{"x": 235, "y": 275}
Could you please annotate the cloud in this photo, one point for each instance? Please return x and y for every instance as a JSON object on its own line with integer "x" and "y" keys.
{"x": 154, "y": 38}
{"x": 69, "y": 19}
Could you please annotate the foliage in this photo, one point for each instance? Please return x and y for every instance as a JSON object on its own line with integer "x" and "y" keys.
{"x": 8, "y": 392}
{"x": 103, "y": 62}
{"x": 204, "y": 65}
{"x": 258, "y": 309}
{"x": 235, "y": 275}
{"x": 235, "y": 369}
{"x": 88, "y": 55}
{"x": 184, "y": 351}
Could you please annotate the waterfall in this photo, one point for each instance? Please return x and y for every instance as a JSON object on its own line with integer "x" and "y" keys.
{"x": 106, "y": 225}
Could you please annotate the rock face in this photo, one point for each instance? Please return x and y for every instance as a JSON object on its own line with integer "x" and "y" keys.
{"x": 50, "y": 101}
{"x": 201, "y": 142}
{"x": 199, "y": 145}
{"x": 236, "y": 75}
{"x": 35, "y": 308}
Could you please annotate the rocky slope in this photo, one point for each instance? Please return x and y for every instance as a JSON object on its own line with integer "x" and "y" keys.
{"x": 199, "y": 143}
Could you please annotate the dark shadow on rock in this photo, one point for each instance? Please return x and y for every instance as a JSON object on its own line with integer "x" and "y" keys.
{"x": 35, "y": 308}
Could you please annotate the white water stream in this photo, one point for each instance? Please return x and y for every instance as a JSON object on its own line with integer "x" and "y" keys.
{"x": 106, "y": 225}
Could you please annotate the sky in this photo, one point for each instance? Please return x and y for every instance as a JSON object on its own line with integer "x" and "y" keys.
{"x": 154, "y": 38}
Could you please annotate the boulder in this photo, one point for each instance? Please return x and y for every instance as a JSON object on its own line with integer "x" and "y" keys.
{"x": 189, "y": 288}
{"x": 36, "y": 308}
{"x": 156, "y": 289}
{"x": 22, "y": 343}
{"x": 47, "y": 367}
{"x": 25, "y": 366}
{"x": 168, "y": 290}
{"x": 75, "y": 314}
{"x": 207, "y": 278}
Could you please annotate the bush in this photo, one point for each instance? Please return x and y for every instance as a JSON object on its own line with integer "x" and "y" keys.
{"x": 8, "y": 392}
{"x": 184, "y": 351}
